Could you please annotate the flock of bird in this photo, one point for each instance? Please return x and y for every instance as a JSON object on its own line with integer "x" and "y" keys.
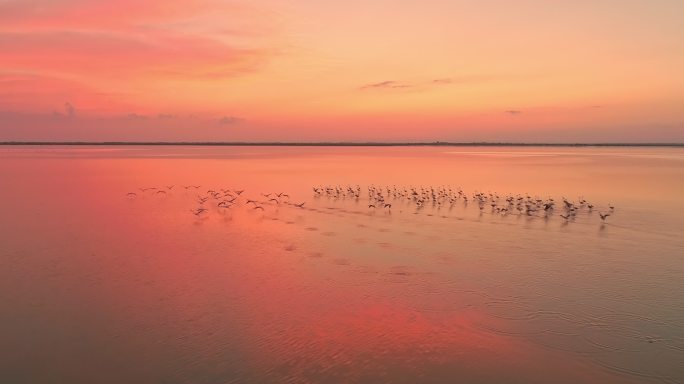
{"x": 384, "y": 197}
{"x": 221, "y": 198}
{"x": 447, "y": 197}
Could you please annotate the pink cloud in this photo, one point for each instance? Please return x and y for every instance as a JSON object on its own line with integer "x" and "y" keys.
{"x": 88, "y": 51}
{"x": 60, "y": 14}
{"x": 116, "y": 54}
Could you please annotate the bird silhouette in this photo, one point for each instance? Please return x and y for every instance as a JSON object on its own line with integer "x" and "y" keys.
{"x": 198, "y": 211}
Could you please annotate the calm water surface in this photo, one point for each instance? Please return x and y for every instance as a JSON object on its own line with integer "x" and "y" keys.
{"x": 96, "y": 286}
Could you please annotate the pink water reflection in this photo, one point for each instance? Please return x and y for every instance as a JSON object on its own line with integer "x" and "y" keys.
{"x": 109, "y": 288}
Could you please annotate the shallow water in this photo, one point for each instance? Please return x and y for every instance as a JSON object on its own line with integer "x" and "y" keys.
{"x": 98, "y": 286}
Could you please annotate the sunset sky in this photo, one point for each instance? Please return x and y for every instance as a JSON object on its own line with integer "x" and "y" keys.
{"x": 372, "y": 70}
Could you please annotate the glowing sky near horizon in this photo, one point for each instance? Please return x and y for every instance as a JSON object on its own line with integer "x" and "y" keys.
{"x": 297, "y": 70}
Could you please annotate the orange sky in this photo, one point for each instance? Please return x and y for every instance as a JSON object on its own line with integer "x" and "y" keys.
{"x": 300, "y": 70}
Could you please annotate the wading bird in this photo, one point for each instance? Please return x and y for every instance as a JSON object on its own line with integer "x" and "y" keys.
{"x": 198, "y": 211}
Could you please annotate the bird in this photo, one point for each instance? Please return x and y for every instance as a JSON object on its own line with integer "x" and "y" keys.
{"x": 258, "y": 207}
{"x": 198, "y": 211}
{"x": 132, "y": 194}
{"x": 604, "y": 215}
{"x": 301, "y": 205}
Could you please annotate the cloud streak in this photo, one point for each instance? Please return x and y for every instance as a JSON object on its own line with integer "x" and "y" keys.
{"x": 69, "y": 110}
{"x": 118, "y": 15}
{"x": 393, "y": 84}
{"x": 104, "y": 55}
{"x": 116, "y": 55}
{"x": 229, "y": 120}
{"x": 57, "y": 126}
{"x": 388, "y": 84}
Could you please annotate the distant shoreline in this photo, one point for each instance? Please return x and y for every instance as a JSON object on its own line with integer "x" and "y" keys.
{"x": 334, "y": 144}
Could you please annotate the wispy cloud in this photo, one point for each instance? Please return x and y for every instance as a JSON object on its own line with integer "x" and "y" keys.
{"x": 465, "y": 79}
{"x": 80, "y": 50}
{"x": 124, "y": 55}
{"x": 393, "y": 84}
{"x": 55, "y": 126}
{"x": 69, "y": 110}
{"x": 388, "y": 84}
{"x": 226, "y": 120}
{"x": 135, "y": 116}
{"x": 443, "y": 81}
{"x": 513, "y": 112}
{"x": 122, "y": 15}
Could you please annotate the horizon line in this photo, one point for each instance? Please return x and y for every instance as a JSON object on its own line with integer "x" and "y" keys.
{"x": 337, "y": 144}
